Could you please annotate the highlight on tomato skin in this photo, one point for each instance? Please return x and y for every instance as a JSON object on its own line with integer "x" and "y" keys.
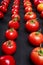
{"x": 36, "y": 56}
{"x": 9, "y": 47}
{"x": 35, "y": 38}
{"x": 36, "y": 2}
{"x": 11, "y": 34}
{"x": 32, "y": 25}
{"x": 7, "y": 60}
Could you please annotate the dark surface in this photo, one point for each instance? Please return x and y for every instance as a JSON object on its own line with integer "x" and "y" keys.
{"x": 23, "y": 46}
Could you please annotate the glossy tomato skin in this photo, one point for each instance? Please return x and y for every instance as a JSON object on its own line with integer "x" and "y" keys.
{"x": 14, "y": 24}
{"x": 41, "y": 14}
{"x": 27, "y": 3}
{"x": 30, "y": 15}
{"x": 9, "y": 47}
{"x": 7, "y": 60}
{"x": 1, "y": 15}
{"x": 16, "y": 7}
{"x": 40, "y": 7}
{"x": 28, "y": 9}
{"x": 15, "y": 10}
{"x": 35, "y": 38}
{"x": 4, "y": 3}
{"x": 36, "y": 58}
{"x": 36, "y": 2}
{"x": 11, "y": 34}
{"x": 32, "y": 25}
{"x": 3, "y": 8}
{"x": 8, "y": 1}
{"x": 15, "y": 16}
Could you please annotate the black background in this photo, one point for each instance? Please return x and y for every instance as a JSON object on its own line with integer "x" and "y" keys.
{"x": 23, "y": 46}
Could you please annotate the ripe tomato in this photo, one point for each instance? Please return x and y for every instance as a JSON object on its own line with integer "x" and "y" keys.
{"x": 40, "y": 7}
{"x": 9, "y": 47}
{"x": 14, "y": 24}
{"x": 30, "y": 15}
{"x": 27, "y": 3}
{"x": 3, "y": 8}
{"x": 7, "y": 60}
{"x": 8, "y": 1}
{"x": 32, "y": 25}
{"x": 16, "y": 16}
{"x": 15, "y": 10}
{"x": 1, "y": 15}
{"x": 28, "y": 9}
{"x": 35, "y": 38}
{"x": 37, "y": 56}
{"x": 41, "y": 14}
{"x": 15, "y": 6}
{"x": 4, "y": 3}
{"x": 11, "y": 34}
{"x": 36, "y": 2}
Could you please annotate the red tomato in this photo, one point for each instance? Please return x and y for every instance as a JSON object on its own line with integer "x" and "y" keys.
{"x": 11, "y": 34}
{"x": 9, "y": 47}
{"x": 37, "y": 56}
{"x": 15, "y": 6}
{"x": 15, "y": 10}
{"x": 40, "y": 7}
{"x": 1, "y": 15}
{"x": 35, "y": 38}
{"x": 36, "y": 2}
{"x": 32, "y": 25}
{"x": 28, "y": 9}
{"x": 30, "y": 15}
{"x": 14, "y": 24}
{"x": 25, "y": 0}
{"x": 8, "y": 1}
{"x": 27, "y": 3}
{"x": 4, "y": 3}
{"x": 41, "y": 14}
{"x": 3, "y": 8}
{"x": 16, "y": 16}
{"x": 7, "y": 60}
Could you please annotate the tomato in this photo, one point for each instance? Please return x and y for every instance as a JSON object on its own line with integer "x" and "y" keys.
{"x": 7, "y": 60}
{"x": 11, "y": 34}
{"x": 35, "y": 38}
{"x": 41, "y": 14}
{"x": 8, "y": 1}
{"x": 15, "y": 6}
{"x": 3, "y": 8}
{"x": 40, "y": 7}
{"x": 16, "y": 16}
{"x": 37, "y": 56}
{"x": 27, "y": 3}
{"x": 36, "y": 2}
{"x": 32, "y": 25}
{"x": 9, "y": 47}
{"x": 30, "y": 15}
{"x": 14, "y": 24}
{"x": 4, "y": 3}
{"x": 28, "y": 9}
{"x": 1, "y": 15}
{"x": 15, "y": 10}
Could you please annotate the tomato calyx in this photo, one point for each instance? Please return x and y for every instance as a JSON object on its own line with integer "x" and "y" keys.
{"x": 40, "y": 52}
{"x": 29, "y": 13}
{"x": 37, "y": 33}
{"x": 11, "y": 30}
{"x": 32, "y": 21}
{"x": 9, "y": 43}
{"x": 15, "y": 19}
